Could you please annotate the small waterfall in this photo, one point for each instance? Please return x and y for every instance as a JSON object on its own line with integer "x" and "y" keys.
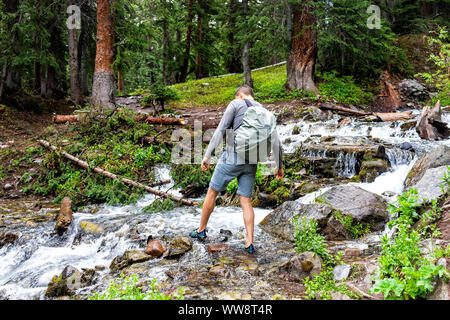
{"x": 398, "y": 157}
{"x": 346, "y": 164}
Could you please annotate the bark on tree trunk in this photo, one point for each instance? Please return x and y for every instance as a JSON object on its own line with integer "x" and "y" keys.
{"x": 120, "y": 82}
{"x": 301, "y": 62}
{"x": 187, "y": 53}
{"x": 245, "y": 53}
{"x": 103, "y": 79}
{"x": 198, "y": 59}
{"x": 75, "y": 90}
{"x": 164, "y": 55}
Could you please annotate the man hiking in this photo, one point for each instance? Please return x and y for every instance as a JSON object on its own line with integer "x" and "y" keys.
{"x": 246, "y": 124}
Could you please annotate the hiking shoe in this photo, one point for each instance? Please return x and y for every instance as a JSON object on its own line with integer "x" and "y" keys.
{"x": 250, "y": 249}
{"x": 198, "y": 235}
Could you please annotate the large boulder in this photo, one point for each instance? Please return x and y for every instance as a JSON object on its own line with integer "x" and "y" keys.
{"x": 427, "y": 172}
{"x": 278, "y": 222}
{"x": 362, "y": 206}
{"x": 414, "y": 90}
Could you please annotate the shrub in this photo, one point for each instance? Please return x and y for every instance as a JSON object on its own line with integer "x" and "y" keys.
{"x": 404, "y": 272}
{"x": 126, "y": 288}
{"x": 343, "y": 89}
{"x": 308, "y": 239}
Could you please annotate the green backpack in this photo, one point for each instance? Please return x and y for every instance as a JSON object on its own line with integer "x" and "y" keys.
{"x": 252, "y": 140}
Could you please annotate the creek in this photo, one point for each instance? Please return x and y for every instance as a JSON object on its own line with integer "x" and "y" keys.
{"x": 28, "y": 264}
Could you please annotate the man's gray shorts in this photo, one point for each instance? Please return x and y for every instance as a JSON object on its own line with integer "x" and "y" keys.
{"x": 230, "y": 167}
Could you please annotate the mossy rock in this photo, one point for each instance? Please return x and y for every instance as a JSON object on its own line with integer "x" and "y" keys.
{"x": 91, "y": 228}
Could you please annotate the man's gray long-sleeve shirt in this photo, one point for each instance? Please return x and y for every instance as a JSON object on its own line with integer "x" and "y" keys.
{"x": 232, "y": 119}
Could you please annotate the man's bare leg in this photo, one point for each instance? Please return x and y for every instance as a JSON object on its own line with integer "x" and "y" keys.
{"x": 208, "y": 207}
{"x": 249, "y": 219}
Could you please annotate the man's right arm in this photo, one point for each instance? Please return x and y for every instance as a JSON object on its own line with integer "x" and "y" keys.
{"x": 225, "y": 123}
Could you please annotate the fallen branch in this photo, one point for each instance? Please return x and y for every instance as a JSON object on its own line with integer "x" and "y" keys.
{"x": 380, "y": 116}
{"x": 394, "y": 116}
{"x": 110, "y": 175}
{"x": 65, "y": 118}
{"x": 166, "y": 121}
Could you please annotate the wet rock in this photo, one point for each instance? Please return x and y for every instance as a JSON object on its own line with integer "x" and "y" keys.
{"x": 267, "y": 200}
{"x": 414, "y": 90}
{"x": 426, "y": 174}
{"x": 91, "y": 228}
{"x": 278, "y": 221}
{"x": 226, "y": 233}
{"x": 128, "y": 258}
{"x": 154, "y": 248}
{"x": 370, "y": 170}
{"x": 296, "y": 130}
{"x": 65, "y": 217}
{"x": 408, "y": 125}
{"x": 438, "y": 157}
{"x": 7, "y": 237}
{"x": 339, "y": 296}
{"x": 407, "y": 146}
{"x": 363, "y": 206}
{"x": 217, "y": 271}
{"x": 314, "y": 114}
{"x": 442, "y": 288}
{"x": 217, "y": 247}
{"x": 177, "y": 247}
{"x": 352, "y": 252}
{"x": 301, "y": 266}
{"x": 70, "y": 280}
{"x": 341, "y": 272}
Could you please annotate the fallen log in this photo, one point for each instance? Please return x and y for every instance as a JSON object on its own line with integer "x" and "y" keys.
{"x": 343, "y": 110}
{"x": 377, "y": 116}
{"x": 65, "y": 118}
{"x": 110, "y": 175}
{"x": 394, "y": 116}
{"x": 165, "y": 121}
{"x": 430, "y": 125}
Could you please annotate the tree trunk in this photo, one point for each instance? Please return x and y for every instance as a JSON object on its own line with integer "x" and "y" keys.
{"x": 245, "y": 53}
{"x": 164, "y": 55}
{"x": 75, "y": 90}
{"x": 103, "y": 82}
{"x": 301, "y": 62}
{"x": 232, "y": 59}
{"x": 120, "y": 82}
{"x": 187, "y": 53}
{"x": 198, "y": 59}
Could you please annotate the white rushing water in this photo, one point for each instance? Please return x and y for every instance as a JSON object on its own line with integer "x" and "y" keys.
{"x": 28, "y": 265}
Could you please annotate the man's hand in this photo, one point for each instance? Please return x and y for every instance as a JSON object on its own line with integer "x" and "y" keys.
{"x": 280, "y": 174}
{"x": 205, "y": 164}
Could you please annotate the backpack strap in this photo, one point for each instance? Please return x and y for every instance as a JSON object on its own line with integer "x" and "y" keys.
{"x": 248, "y": 103}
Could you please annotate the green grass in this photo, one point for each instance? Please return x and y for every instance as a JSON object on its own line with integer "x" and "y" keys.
{"x": 269, "y": 88}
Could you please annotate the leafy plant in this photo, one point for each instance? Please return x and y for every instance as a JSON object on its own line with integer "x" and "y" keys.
{"x": 441, "y": 77}
{"x": 158, "y": 205}
{"x": 404, "y": 272}
{"x": 321, "y": 286}
{"x": 308, "y": 239}
{"x": 356, "y": 229}
{"x": 126, "y": 288}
